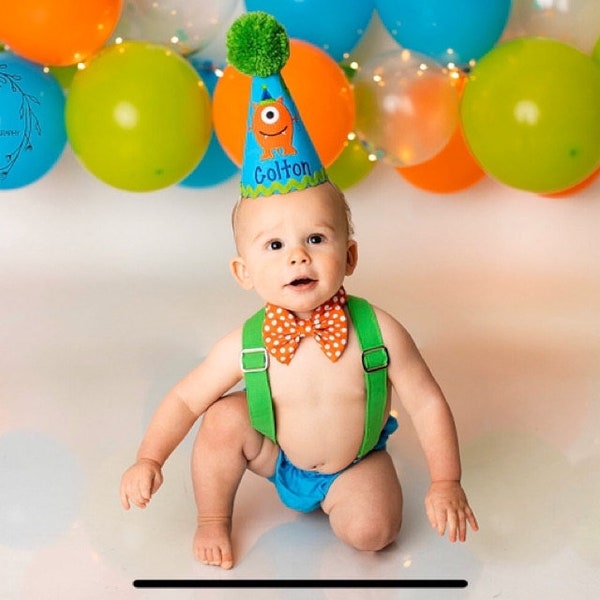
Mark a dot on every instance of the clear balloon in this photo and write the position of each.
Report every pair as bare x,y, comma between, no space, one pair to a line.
407,107
180,24
451,170
574,22
352,165
450,31
138,116
335,26
58,32
215,166
530,114
32,130
320,90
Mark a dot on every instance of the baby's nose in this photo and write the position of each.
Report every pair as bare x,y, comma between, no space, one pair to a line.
299,256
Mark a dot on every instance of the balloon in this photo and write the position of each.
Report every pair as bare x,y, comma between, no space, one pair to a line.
138,116
452,170
215,166
406,107
320,91
596,51
530,114
335,26
352,165
574,22
180,24
58,32
64,75
32,130
450,31
582,185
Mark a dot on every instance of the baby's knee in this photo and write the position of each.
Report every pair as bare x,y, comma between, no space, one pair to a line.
226,418
371,534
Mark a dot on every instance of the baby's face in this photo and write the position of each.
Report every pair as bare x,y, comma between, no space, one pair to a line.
294,249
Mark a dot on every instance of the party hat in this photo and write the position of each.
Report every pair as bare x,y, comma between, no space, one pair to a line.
279,156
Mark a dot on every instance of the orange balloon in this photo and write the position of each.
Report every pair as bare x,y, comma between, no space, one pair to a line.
58,32
577,187
320,91
451,170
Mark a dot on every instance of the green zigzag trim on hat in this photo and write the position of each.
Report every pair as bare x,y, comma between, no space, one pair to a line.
276,187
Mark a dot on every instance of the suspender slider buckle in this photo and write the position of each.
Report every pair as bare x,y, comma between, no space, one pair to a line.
375,359
254,360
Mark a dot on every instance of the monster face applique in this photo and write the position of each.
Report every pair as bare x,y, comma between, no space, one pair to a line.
273,126
279,156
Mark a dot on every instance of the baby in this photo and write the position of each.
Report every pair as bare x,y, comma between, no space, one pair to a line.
315,416
295,251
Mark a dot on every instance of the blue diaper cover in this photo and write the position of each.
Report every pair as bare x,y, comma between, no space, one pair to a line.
305,490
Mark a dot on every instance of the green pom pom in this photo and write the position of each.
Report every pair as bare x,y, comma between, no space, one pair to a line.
257,45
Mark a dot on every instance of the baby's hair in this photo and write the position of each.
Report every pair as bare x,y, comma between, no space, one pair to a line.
349,223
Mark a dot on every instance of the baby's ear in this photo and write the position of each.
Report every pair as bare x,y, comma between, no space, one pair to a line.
351,257
240,272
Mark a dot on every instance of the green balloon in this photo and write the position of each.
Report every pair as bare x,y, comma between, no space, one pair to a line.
531,114
64,75
352,165
138,116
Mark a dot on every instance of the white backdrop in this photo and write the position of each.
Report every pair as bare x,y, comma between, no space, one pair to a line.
107,297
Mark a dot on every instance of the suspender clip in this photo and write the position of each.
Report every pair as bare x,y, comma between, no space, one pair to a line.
375,359
254,360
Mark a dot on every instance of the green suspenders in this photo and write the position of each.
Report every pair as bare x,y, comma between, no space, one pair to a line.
254,362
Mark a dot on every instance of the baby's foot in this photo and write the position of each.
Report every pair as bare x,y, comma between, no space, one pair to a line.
212,542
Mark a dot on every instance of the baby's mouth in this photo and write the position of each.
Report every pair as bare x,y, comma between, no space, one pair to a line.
301,281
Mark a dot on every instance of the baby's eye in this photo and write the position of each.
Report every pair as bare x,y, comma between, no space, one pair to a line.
315,238
275,245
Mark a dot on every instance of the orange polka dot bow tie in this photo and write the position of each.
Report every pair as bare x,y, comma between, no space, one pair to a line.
283,331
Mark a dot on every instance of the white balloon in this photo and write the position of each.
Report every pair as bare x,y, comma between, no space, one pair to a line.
406,107
185,25
574,22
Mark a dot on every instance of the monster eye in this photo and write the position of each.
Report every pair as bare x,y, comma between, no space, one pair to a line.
269,115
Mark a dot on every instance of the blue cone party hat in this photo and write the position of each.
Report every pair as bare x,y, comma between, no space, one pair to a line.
279,156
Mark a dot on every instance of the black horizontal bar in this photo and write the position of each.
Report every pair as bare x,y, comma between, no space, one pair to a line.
300,583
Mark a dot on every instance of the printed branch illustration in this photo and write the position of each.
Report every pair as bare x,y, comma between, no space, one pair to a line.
26,114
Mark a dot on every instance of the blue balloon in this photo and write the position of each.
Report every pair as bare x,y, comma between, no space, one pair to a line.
450,31
335,26
32,127
215,166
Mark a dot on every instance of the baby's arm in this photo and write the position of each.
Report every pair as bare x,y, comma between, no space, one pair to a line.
175,416
446,503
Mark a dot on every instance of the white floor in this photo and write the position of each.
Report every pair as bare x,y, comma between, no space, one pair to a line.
106,298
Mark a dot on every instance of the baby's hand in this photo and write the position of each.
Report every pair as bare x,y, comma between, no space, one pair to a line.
139,482
447,506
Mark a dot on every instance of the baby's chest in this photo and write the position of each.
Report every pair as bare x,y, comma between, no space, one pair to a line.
312,377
